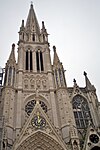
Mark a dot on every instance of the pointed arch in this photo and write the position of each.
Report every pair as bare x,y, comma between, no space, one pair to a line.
28,58
40,141
39,60
81,111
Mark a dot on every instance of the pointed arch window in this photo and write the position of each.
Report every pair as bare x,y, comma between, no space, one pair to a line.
56,75
10,76
81,111
26,60
13,76
5,79
33,37
39,61
61,77
29,62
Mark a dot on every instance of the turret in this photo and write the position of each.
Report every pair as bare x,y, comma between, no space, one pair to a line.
10,69
58,71
22,32
89,86
44,34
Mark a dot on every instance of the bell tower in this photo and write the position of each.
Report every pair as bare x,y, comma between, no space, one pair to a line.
40,111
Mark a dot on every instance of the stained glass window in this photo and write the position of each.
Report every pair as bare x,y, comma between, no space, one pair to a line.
31,104
81,111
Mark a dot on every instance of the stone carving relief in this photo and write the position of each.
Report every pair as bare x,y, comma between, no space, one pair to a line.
32,84
35,82
26,83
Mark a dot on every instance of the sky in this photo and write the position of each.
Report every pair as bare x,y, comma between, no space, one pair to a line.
73,27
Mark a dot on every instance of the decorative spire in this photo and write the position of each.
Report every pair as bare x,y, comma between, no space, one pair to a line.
89,86
11,59
32,23
74,80
56,58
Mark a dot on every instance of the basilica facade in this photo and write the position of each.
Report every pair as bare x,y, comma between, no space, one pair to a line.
38,111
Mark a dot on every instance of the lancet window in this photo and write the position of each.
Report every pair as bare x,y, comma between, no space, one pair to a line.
5,79
10,76
81,111
29,62
39,61
56,76
61,77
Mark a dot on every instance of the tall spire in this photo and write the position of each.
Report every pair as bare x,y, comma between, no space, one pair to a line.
32,23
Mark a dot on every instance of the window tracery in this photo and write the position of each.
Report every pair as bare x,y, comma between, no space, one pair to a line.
31,104
81,111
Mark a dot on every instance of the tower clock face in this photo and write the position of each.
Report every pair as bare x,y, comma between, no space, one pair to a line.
38,121
94,138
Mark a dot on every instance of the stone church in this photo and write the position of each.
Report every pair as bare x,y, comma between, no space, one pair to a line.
38,111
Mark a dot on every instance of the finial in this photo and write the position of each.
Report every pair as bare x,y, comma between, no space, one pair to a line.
74,80
54,48
85,74
43,24
31,4
13,46
22,23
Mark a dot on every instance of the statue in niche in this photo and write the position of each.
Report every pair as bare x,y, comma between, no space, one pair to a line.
38,83
32,82
44,83
26,84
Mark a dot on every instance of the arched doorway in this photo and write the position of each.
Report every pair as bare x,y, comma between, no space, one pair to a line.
40,141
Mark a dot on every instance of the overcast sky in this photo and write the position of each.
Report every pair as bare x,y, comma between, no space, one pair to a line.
74,28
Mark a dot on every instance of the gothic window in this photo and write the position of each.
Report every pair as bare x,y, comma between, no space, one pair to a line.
39,61
9,76
29,60
31,104
61,77
5,79
26,60
13,75
56,75
81,111
33,37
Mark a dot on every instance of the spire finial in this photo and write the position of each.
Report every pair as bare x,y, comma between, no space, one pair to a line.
54,48
85,74
13,46
43,26
31,4
74,80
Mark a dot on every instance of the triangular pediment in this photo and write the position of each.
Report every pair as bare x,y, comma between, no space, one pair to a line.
77,91
38,125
